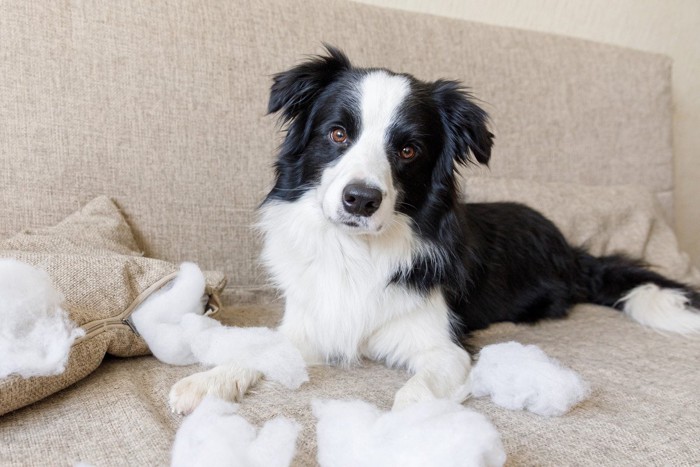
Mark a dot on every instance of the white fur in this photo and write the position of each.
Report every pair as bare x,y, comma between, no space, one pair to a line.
215,436
366,160
261,349
340,303
227,382
172,325
242,356
661,309
335,283
519,377
432,433
36,334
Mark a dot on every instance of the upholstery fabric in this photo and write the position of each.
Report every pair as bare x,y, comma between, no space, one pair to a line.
93,261
643,409
161,106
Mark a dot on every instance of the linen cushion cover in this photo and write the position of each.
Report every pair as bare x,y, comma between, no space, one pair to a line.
93,259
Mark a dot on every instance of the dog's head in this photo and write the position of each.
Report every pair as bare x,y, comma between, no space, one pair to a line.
372,143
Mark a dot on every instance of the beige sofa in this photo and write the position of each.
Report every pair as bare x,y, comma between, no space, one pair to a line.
161,106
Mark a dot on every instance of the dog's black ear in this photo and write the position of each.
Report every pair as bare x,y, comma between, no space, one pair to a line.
293,90
465,123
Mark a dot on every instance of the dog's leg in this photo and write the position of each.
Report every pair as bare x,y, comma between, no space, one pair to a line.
228,382
231,381
439,373
295,326
421,341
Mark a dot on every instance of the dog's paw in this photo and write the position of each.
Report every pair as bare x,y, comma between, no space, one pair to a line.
413,392
225,382
419,389
186,394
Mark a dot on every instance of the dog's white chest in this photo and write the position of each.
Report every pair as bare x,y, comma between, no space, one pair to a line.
337,286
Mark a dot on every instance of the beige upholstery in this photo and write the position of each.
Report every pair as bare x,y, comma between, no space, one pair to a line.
643,409
161,105
93,260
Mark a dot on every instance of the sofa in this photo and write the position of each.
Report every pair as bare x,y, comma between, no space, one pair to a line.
161,106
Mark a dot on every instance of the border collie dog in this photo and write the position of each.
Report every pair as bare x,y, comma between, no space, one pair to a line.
365,234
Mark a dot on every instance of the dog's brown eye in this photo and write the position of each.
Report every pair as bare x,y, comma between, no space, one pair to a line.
338,135
408,152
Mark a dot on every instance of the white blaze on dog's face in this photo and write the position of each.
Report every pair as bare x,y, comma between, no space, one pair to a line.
364,147
358,192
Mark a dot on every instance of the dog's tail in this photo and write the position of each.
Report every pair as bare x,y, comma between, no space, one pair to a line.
645,296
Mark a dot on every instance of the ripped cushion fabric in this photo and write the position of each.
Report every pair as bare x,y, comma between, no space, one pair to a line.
93,260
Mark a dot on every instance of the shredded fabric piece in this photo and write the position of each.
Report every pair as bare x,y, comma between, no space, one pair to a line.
172,325
430,433
36,334
519,377
214,435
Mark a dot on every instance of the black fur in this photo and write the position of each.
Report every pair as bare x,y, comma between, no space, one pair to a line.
492,261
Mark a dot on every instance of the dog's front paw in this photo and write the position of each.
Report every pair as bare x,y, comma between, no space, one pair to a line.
225,382
414,391
186,394
423,387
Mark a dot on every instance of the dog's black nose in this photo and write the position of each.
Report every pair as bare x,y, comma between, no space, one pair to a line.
361,200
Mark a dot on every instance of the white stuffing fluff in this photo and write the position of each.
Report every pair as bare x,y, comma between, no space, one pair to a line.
214,435
431,433
36,334
519,377
172,325
158,318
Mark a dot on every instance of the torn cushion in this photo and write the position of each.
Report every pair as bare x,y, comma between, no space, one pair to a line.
94,261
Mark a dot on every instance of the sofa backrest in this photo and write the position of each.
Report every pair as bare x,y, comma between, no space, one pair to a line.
161,106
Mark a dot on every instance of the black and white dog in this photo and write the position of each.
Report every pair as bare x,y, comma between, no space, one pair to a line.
365,235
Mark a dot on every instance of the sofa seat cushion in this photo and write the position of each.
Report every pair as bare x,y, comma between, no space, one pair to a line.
643,409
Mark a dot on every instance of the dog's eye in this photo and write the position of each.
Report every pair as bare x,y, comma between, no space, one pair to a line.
338,135
407,152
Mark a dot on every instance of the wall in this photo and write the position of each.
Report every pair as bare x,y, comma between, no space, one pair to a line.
670,27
